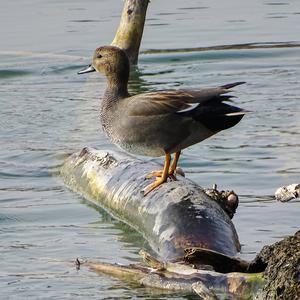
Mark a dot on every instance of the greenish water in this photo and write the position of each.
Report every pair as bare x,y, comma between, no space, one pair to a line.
48,111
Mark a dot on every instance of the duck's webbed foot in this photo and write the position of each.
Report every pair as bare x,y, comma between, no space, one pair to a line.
161,176
172,169
154,185
154,174
160,173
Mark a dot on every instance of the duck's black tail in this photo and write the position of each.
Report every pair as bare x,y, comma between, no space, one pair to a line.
231,85
210,109
217,115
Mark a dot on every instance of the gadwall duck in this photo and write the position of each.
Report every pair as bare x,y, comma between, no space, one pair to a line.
158,123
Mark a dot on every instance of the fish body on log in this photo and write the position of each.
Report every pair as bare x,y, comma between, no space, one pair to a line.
175,216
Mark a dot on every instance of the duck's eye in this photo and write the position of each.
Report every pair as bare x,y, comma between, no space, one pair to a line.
99,56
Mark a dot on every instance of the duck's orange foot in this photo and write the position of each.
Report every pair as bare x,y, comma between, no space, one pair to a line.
154,174
160,173
159,181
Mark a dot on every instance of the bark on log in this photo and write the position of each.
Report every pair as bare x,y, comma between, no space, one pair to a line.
130,31
176,216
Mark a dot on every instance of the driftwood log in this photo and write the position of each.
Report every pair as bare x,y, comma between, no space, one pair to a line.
192,235
175,216
130,31
176,219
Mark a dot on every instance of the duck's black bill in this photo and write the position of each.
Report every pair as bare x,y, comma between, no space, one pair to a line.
88,69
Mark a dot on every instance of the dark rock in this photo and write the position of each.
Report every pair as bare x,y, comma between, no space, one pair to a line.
282,273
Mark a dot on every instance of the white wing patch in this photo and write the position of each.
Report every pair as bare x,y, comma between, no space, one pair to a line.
190,107
238,113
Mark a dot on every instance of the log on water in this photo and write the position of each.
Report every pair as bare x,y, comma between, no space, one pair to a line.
175,216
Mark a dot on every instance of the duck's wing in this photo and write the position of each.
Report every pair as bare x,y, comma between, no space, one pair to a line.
172,101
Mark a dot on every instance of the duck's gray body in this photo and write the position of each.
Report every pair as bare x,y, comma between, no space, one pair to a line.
145,136
133,124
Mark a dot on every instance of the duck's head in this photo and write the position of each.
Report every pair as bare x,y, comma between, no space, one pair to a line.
110,61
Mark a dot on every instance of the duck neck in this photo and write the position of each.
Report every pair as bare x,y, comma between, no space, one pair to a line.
116,86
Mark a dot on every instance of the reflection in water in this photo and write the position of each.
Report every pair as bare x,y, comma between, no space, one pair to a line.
137,84
126,235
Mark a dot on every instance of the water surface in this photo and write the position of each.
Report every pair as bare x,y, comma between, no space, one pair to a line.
47,112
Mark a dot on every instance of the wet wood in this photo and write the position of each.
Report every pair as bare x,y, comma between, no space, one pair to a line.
175,216
130,31
183,278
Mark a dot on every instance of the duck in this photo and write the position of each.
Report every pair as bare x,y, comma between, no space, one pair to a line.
159,123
